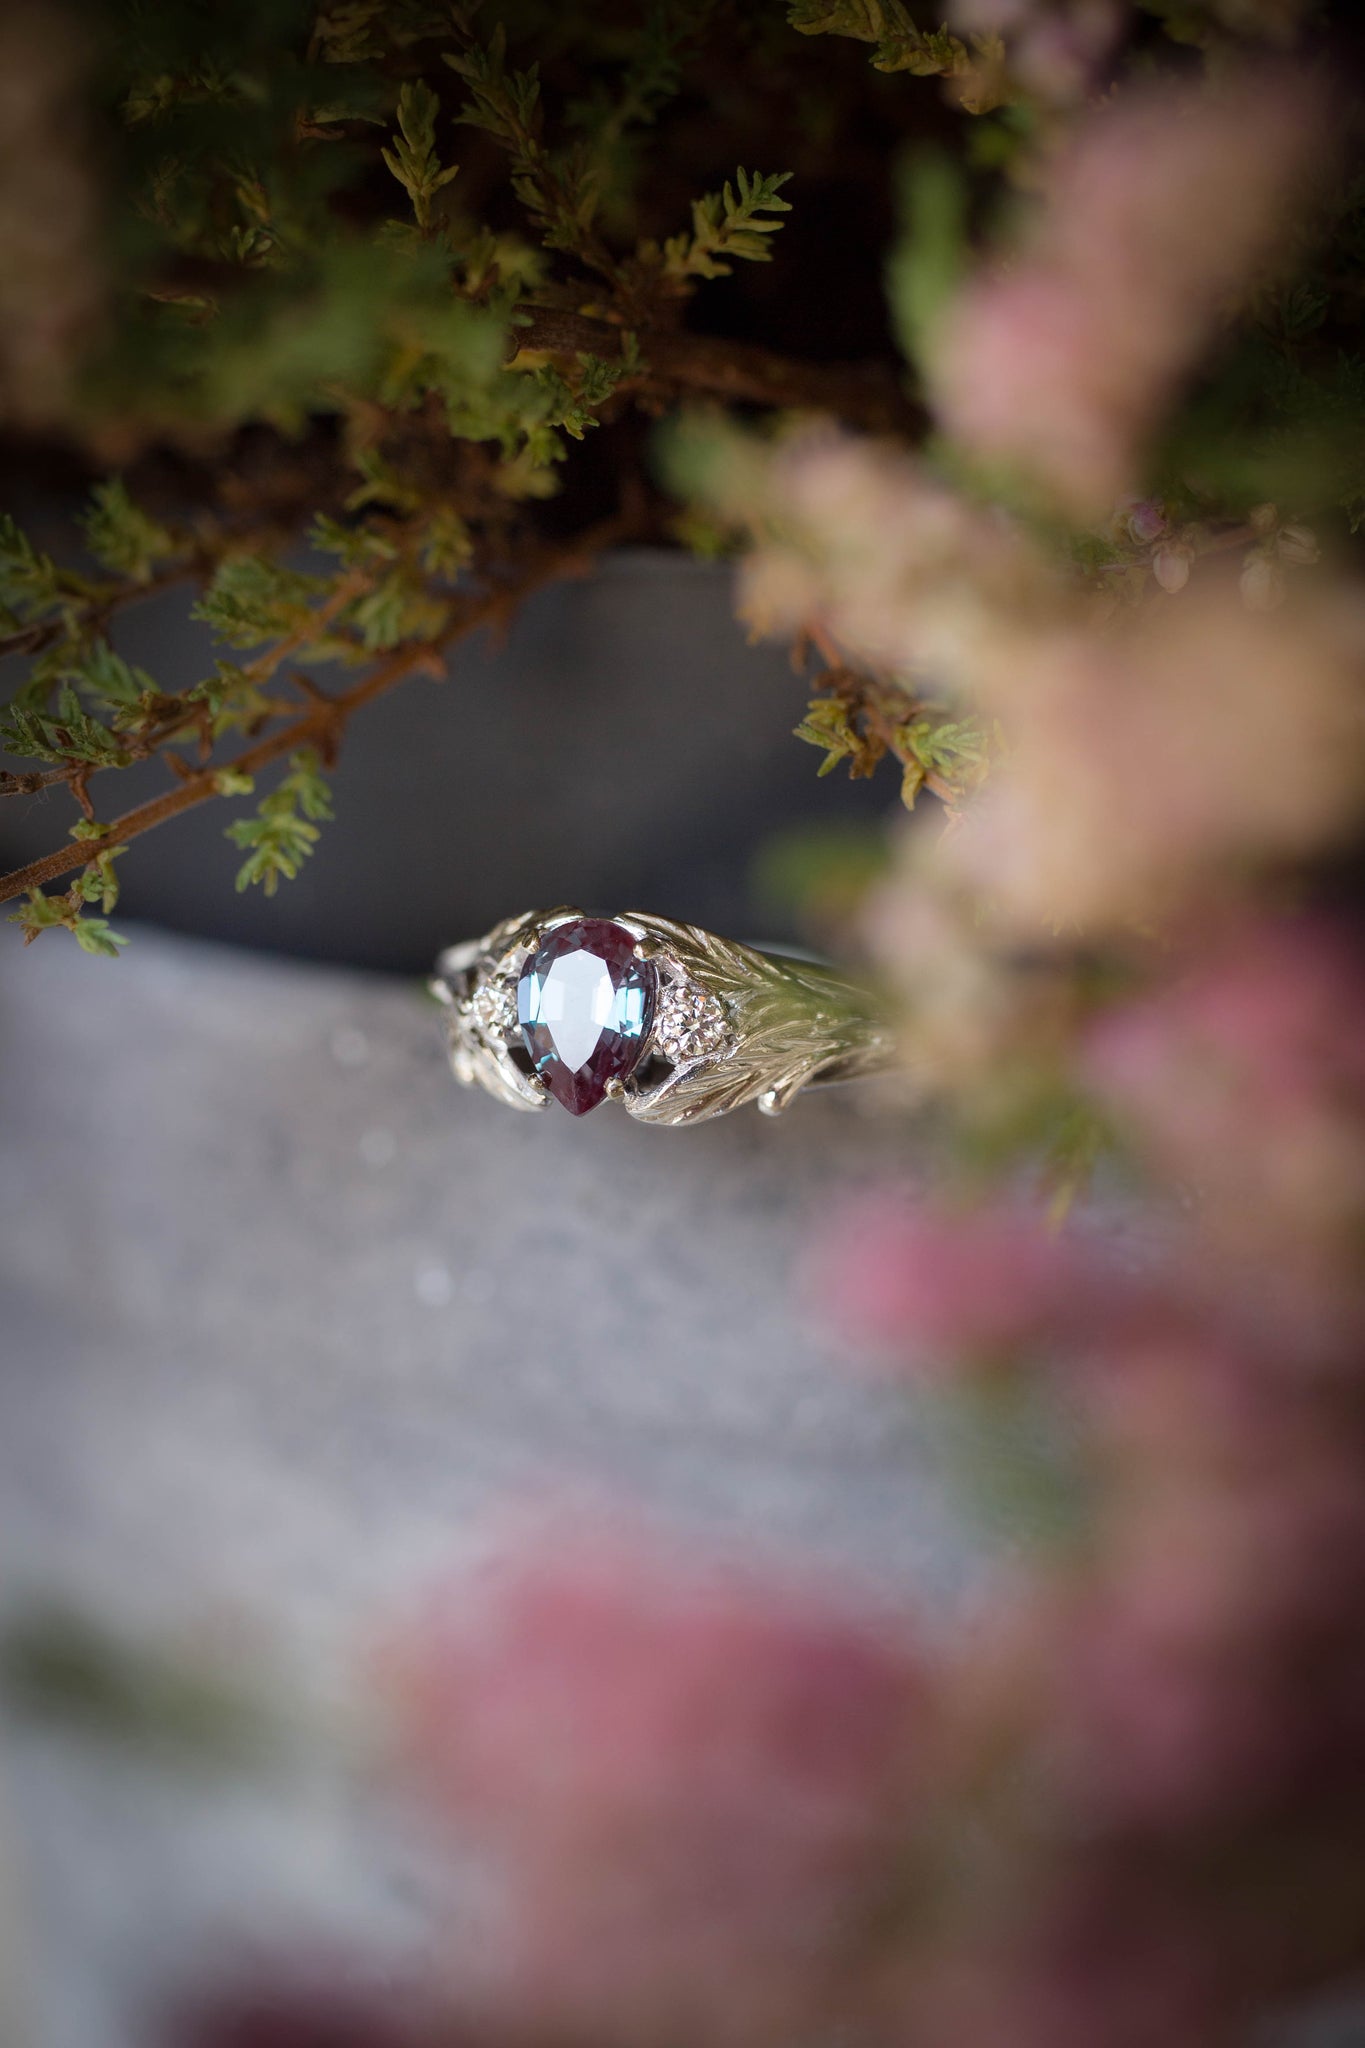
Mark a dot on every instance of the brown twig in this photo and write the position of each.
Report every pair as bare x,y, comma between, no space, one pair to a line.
867,395
883,706
142,745
100,606
323,720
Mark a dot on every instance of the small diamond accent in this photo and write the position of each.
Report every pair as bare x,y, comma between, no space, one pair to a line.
493,1008
689,1022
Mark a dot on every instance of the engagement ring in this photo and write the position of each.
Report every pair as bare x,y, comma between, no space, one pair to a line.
671,1021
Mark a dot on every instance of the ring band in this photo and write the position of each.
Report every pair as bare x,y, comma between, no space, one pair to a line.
671,1021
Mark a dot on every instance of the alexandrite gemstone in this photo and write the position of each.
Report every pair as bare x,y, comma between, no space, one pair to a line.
585,1003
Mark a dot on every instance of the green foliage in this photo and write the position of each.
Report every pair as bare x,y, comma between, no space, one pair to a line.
59,1667
929,254
43,912
1280,419
97,936
281,360
413,158
829,723
447,543
121,536
232,699
399,607
504,102
112,681
952,752
573,400
819,874
30,586
560,189
68,735
860,721
99,883
728,226
899,45
354,32
652,76
251,600
284,830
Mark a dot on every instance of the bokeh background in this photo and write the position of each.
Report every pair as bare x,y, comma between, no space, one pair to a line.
888,1575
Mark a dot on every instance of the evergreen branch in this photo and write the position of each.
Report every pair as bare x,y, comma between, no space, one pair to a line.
93,611
727,226
413,159
83,746
559,189
899,44
863,719
284,830
866,395
322,724
124,538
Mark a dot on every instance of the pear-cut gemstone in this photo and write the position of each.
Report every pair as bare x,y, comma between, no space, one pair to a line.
585,1003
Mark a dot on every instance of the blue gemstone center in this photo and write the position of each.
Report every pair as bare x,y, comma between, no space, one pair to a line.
585,1002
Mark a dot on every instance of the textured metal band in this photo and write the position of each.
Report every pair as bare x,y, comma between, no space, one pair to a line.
731,1024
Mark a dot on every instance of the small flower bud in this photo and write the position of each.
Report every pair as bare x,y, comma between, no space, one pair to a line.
1171,566
1146,520
1261,584
1297,544
1263,519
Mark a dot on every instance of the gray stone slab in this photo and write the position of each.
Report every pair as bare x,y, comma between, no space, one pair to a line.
287,1318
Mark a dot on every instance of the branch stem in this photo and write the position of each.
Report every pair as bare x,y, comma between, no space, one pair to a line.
866,395
323,721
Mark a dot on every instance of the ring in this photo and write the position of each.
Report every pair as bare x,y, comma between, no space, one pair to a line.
671,1021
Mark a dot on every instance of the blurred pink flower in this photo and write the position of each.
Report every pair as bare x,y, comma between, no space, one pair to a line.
1220,1670
1162,758
1213,1667
1131,764
943,1286
1054,48
905,573
695,1785
1165,205
1246,1078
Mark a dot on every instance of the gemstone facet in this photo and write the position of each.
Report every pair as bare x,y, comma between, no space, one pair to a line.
585,1002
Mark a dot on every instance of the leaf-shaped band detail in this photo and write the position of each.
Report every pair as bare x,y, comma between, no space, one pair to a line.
792,1022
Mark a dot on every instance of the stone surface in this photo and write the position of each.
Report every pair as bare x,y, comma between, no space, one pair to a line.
585,1003
291,1325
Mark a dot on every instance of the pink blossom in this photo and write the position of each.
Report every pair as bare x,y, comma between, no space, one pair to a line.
695,1785
1055,48
978,1283
1162,757
902,571
1214,1666
1246,1077
1163,206
1171,566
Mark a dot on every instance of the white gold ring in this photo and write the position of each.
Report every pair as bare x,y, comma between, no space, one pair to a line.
676,1024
